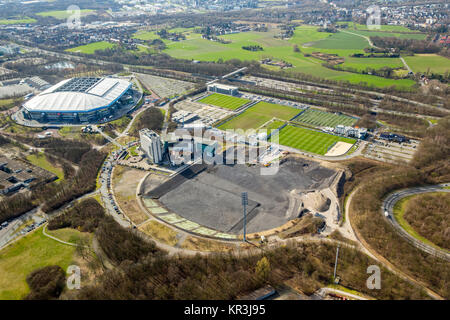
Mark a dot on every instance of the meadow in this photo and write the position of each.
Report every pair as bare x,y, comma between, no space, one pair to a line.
324,119
428,62
224,101
307,38
31,252
362,64
92,47
258,115
307,139
17,20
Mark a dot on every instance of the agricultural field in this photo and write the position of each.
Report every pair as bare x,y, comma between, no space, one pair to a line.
224,101
308,140
384,31
92,47
361,64
62,14
26,255
341,40
259,114
324,119
308,40
425,63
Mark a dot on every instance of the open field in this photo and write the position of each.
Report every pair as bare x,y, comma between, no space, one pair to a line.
384,31
92,47
257,115
309,140
324,119
27,254
341,40
306,37
17,20
224,101
361,64
40,160
425,63
62,14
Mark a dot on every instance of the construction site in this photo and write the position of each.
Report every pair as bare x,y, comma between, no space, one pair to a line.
210,195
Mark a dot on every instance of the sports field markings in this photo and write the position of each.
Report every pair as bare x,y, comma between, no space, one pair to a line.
324,119
259,114
224,101
309,140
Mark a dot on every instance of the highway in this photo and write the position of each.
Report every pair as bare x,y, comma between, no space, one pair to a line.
388,205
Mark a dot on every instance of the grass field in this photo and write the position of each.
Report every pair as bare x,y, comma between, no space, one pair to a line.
306,37
40,160
257,115
224,101
273,125
62,14
92,47
428,63
361,64
324,119
308,140
29,253
341,40
14,20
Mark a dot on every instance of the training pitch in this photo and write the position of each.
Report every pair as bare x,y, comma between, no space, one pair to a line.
324,119
259,114
308,140
224,101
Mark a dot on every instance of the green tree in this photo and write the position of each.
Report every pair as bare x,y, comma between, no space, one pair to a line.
263,269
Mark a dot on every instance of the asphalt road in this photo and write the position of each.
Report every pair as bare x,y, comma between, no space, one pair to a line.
388,205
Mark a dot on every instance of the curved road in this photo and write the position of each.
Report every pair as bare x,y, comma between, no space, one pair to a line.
374,254
388,205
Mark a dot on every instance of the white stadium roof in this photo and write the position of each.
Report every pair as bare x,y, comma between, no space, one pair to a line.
78,95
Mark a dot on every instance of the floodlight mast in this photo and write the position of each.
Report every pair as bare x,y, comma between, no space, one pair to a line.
244,197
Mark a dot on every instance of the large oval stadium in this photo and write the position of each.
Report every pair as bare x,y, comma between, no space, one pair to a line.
79,100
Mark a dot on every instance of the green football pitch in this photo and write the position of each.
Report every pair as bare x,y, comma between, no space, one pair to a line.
259,114
324,119
224,101
307,139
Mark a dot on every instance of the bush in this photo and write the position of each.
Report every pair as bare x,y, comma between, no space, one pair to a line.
46,283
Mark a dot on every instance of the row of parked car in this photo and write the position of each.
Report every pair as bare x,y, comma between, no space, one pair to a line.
4,225
31,227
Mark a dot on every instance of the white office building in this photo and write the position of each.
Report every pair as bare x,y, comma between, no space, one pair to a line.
151,145
223,89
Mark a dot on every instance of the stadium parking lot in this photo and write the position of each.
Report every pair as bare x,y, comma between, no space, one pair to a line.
392,152
164,87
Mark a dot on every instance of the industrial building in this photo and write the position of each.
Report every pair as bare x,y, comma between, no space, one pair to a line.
223,89
15,175
79,100
151,145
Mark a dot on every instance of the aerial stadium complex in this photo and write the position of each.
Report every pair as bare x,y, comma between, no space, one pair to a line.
80,100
